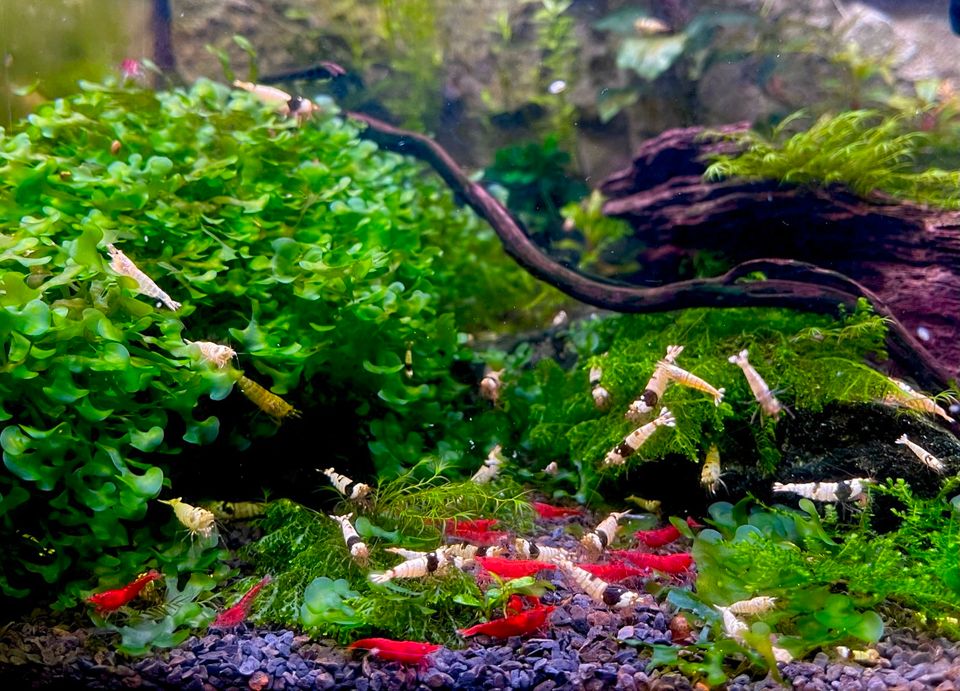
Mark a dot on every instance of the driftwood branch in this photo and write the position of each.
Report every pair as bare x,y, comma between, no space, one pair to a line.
787,283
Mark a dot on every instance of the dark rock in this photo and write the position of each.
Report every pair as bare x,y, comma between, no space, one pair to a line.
439,680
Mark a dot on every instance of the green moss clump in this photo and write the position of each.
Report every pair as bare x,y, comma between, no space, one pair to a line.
301,545
862,149
809,360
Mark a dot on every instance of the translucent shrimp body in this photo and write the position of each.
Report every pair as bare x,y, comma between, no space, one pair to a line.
285,104
907,397
124,266
637,437
214,353
711,473
195,519
490,468
768,402
358,550
685,378
927,458
755,605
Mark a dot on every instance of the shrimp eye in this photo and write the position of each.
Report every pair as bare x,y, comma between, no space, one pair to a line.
294,103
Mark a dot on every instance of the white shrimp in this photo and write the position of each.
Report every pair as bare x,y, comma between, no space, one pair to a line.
285,104
601,397
531,550
355,491
845,490
755,605
637,437
768,402
214,353
418,567
551,468
927,458
655,387
610,594
358,550
490,468
732,627
604,534
124,266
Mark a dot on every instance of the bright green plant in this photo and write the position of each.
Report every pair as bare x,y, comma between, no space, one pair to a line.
320,259
864,150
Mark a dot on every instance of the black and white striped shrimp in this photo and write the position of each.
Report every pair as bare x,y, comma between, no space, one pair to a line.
655,387
610,594
214,353
604,534
769,404
637,437
267,401
418,567
906,397
927,458
685,378
531,550
845,490
755,605
286,105
355,491
124,266
490,468
467,553
358,549
601,397
405,553
490,385
710,476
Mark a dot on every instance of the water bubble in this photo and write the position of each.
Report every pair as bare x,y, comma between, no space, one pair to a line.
557,87
923,333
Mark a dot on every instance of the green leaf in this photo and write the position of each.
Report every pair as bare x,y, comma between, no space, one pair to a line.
203,432
146,441
650,57
365,528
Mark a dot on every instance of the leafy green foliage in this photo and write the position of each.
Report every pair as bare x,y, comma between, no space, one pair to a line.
862,149
315,255
600,235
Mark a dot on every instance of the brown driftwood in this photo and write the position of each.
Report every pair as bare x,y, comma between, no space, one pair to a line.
906,254
788,283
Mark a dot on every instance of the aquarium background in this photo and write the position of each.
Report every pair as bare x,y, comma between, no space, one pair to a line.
451,294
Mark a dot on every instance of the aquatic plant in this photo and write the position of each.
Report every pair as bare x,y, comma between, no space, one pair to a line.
866,150
315,255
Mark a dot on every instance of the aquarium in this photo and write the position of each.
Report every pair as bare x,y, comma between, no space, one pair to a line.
505,344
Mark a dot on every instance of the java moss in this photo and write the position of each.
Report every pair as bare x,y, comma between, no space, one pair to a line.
809,360
301,545
866,150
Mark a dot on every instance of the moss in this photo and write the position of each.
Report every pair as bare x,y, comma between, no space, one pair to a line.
862,149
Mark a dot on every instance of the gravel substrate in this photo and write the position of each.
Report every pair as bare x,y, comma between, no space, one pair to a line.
582,648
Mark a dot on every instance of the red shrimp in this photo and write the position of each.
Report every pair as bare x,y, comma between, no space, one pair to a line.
513,568
549,511
407,652
662,536
514,625
668,563
486,538
112,600
234,616
479,525
613,572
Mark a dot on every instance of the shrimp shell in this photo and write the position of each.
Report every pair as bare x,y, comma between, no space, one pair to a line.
927,458
195,519
909,398
418,567
531,550
604,534
732,627
358,550
347,487
685,378
268,402
827,491
124,266
755,605
610,594
490,468
768,402
214,353
637,437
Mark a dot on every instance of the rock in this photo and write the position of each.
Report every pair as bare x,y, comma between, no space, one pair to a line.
259,681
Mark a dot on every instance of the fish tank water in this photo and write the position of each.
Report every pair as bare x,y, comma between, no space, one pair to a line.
503,344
